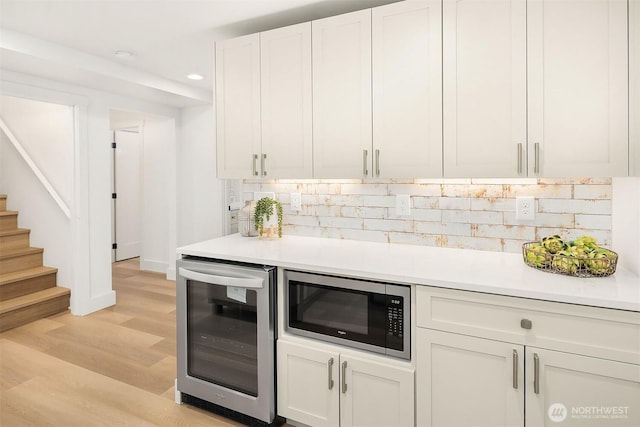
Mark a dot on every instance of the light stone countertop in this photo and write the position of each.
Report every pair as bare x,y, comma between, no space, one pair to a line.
482,271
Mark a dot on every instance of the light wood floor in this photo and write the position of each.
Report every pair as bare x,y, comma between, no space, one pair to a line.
115,367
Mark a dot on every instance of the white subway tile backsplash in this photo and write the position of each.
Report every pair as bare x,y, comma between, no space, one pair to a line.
474,213
388,225
454,203
368,189
519,232
450,228
574,206
340,222
597,222
589,191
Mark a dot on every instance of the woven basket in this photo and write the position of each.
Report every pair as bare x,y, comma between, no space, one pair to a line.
571,266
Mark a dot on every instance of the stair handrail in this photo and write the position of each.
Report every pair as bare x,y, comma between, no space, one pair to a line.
35,169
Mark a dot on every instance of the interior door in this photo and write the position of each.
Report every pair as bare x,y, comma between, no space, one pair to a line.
126,186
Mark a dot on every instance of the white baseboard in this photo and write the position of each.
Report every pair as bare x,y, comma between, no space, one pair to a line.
171,273
151,265
94,304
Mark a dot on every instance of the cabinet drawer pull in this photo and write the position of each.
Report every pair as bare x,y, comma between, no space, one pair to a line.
377,163
515,369
255,161
536,373
343,377
519,158
526,324
330,373
365,171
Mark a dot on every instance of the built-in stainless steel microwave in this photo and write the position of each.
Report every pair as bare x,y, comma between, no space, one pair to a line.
367,315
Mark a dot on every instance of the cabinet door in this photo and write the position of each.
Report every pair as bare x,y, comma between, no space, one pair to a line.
578,87
466,381
484,84
342,95
238,106
308,386
285,55
580,391
375,394
407,90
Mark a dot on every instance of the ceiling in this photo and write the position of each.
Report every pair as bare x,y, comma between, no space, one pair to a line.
74,41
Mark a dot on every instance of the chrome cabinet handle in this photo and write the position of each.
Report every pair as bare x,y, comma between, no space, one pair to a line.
515,369
255,160
263,165
344,375
365,154
536,373
330,373
377,163
519,158
536,164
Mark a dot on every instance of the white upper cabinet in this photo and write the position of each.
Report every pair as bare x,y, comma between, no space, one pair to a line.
407,90
577,87
285,58
484,79
342,95
238,106
535,88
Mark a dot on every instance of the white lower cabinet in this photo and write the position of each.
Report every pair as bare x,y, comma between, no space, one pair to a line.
488,360
320,387
468,381
575,391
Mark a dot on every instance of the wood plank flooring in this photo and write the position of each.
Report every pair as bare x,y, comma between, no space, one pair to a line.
115,367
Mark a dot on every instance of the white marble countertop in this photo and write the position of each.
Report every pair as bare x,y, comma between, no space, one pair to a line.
481,271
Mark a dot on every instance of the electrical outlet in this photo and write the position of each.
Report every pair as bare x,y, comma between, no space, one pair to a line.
296,202
403,205
525,208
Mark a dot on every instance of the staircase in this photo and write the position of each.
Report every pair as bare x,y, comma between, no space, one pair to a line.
28,289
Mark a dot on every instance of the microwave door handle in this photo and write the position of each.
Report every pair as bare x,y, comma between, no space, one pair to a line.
238,282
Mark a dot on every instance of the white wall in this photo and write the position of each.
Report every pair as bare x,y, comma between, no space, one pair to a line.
50,228
45,133
626,222
199,193
158,194
90,235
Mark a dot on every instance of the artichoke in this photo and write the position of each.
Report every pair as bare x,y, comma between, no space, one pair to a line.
587,242
537,255
566,262
580,252
553,244
600,261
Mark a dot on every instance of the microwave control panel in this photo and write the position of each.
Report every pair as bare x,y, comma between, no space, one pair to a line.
395,322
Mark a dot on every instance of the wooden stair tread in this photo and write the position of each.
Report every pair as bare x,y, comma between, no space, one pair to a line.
14,232
8,213
33,298
28,273
9,253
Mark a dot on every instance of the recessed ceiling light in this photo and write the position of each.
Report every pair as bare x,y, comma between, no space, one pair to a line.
194,76
123,54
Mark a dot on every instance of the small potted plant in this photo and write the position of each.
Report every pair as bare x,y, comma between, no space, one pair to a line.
268,217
